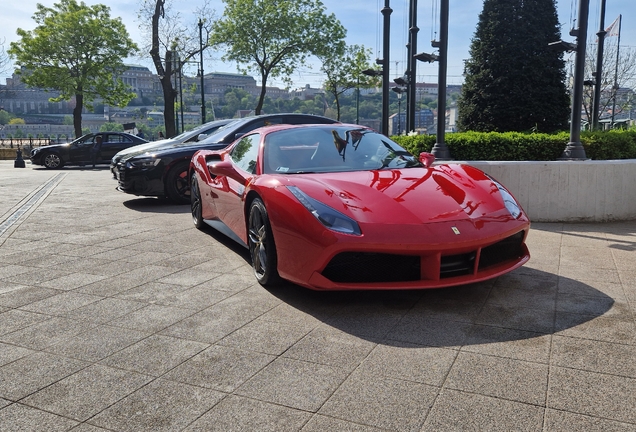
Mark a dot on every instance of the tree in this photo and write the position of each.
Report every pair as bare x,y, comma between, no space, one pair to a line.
621,69
274,37
171,46
77,50
5,117
513,80
111,127
343,68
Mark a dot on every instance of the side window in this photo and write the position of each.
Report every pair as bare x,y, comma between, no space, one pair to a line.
260,123
88,141
114,138
245,153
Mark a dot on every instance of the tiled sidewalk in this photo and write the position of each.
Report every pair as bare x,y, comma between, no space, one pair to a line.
117,314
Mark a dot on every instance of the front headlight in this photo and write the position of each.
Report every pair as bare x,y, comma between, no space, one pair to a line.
509,201
331,218
143,163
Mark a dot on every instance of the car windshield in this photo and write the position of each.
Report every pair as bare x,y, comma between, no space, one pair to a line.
332,149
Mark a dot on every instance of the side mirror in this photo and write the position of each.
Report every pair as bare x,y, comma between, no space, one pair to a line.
427,159
202,136
221,168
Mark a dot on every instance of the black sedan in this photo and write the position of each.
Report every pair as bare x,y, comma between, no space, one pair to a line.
79,152
163,172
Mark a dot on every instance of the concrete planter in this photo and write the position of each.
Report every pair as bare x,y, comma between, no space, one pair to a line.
569,191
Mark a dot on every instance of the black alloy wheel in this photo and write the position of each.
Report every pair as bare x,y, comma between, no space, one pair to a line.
261,245
52,161
177,187
195,203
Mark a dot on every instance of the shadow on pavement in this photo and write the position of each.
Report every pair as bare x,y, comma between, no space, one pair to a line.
155,205
524,304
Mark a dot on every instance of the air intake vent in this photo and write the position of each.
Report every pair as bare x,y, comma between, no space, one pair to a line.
363,267
507,249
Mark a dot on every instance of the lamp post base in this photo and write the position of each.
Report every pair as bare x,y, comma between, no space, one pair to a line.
573,151
441,152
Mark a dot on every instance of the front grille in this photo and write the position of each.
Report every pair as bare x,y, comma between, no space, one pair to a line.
507,249
457,265
368,267
364,267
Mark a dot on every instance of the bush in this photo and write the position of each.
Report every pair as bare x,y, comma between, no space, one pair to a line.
516,146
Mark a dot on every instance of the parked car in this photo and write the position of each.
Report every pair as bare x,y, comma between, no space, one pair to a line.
341,207
192,136
163,172
78,152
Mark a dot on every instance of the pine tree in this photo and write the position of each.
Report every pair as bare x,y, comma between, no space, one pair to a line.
513,80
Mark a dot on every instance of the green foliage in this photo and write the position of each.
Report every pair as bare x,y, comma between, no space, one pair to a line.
516,146
5,117
76,50
16,120
343,69
274,37
614,144
111,127
513,80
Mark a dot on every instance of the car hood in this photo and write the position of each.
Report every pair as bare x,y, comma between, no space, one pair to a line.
140,149
53,147
444,193
169,148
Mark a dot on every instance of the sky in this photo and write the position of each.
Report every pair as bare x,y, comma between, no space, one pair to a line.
364,23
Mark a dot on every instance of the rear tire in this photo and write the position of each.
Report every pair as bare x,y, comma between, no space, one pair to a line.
262,246
195,203
177,188
52,161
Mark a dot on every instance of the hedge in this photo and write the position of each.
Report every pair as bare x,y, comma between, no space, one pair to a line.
516,146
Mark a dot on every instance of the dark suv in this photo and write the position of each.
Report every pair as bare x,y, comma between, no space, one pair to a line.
78,152
164,171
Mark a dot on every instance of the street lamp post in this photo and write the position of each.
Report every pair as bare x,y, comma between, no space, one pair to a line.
599,68
386,12
574,149
412,66
358,100
201,71
440,149
399,91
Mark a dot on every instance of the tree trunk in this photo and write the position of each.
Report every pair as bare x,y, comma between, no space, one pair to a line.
261,98
169,96
77,114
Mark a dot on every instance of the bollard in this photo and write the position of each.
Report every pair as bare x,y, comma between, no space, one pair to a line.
19,162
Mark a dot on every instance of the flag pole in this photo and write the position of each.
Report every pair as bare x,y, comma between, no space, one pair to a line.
618,48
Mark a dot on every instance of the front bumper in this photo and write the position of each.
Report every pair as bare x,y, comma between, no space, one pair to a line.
137,183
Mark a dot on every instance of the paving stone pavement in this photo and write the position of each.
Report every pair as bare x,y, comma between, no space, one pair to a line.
116,314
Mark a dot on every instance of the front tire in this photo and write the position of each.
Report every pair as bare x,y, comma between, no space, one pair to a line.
262,246
177,188
52,161
195,202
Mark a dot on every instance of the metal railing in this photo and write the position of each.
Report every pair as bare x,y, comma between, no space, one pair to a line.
29,143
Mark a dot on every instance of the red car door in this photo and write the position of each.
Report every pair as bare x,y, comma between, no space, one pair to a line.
230,193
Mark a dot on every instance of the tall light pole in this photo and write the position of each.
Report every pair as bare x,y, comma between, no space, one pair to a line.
440,149
412,66
201,71
574,149
399,91
386,12
599,67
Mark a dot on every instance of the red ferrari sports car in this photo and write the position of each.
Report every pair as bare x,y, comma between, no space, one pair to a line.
341,207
